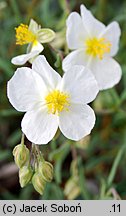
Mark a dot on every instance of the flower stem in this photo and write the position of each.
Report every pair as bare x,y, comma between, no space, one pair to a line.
38,154
74,152
22,139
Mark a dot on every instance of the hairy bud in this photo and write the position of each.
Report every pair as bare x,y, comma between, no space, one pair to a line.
72,189
21,155
38,183
25,175
46,170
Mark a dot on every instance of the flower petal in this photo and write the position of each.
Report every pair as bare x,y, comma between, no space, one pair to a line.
76,33
39,126
77,57
25,89
22,59
49,75
77,122
33,26
112,34
45,35
36,46
107,72
80,84
91,24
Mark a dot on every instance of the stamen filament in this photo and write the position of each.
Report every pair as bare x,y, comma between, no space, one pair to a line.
97,47
24,35
57,101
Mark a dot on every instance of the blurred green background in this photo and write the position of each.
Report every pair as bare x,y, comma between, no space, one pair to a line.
93,168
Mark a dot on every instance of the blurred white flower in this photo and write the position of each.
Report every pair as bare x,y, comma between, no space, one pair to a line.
51,101
33,35
94,45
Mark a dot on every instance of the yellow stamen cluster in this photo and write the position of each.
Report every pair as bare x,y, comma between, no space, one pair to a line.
57,102
97,47
24,35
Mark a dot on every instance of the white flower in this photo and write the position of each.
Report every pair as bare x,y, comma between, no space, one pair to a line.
51,101
33,35
94,45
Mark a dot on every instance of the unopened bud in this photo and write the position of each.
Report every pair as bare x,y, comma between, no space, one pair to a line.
72,189
21,155
25,175
38,183
46,170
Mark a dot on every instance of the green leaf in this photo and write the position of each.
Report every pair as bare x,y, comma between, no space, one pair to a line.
5,154
82,180
5,65
59,154
26,193
52,192
14,138
9,112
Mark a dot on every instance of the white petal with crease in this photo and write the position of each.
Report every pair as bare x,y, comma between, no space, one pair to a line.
26,89
77,122
80,84
93,26
22,59
107,72
76,34
39,126
112,34
77,57
49,75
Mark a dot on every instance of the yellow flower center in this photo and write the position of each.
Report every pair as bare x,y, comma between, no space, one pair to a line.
24,35
97,47
57,102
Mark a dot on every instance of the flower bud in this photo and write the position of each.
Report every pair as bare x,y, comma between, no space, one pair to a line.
72,189
25,175
21,155
46,170
38,183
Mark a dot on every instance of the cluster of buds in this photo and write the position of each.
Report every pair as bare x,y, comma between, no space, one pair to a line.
43,174
22,159
38,173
